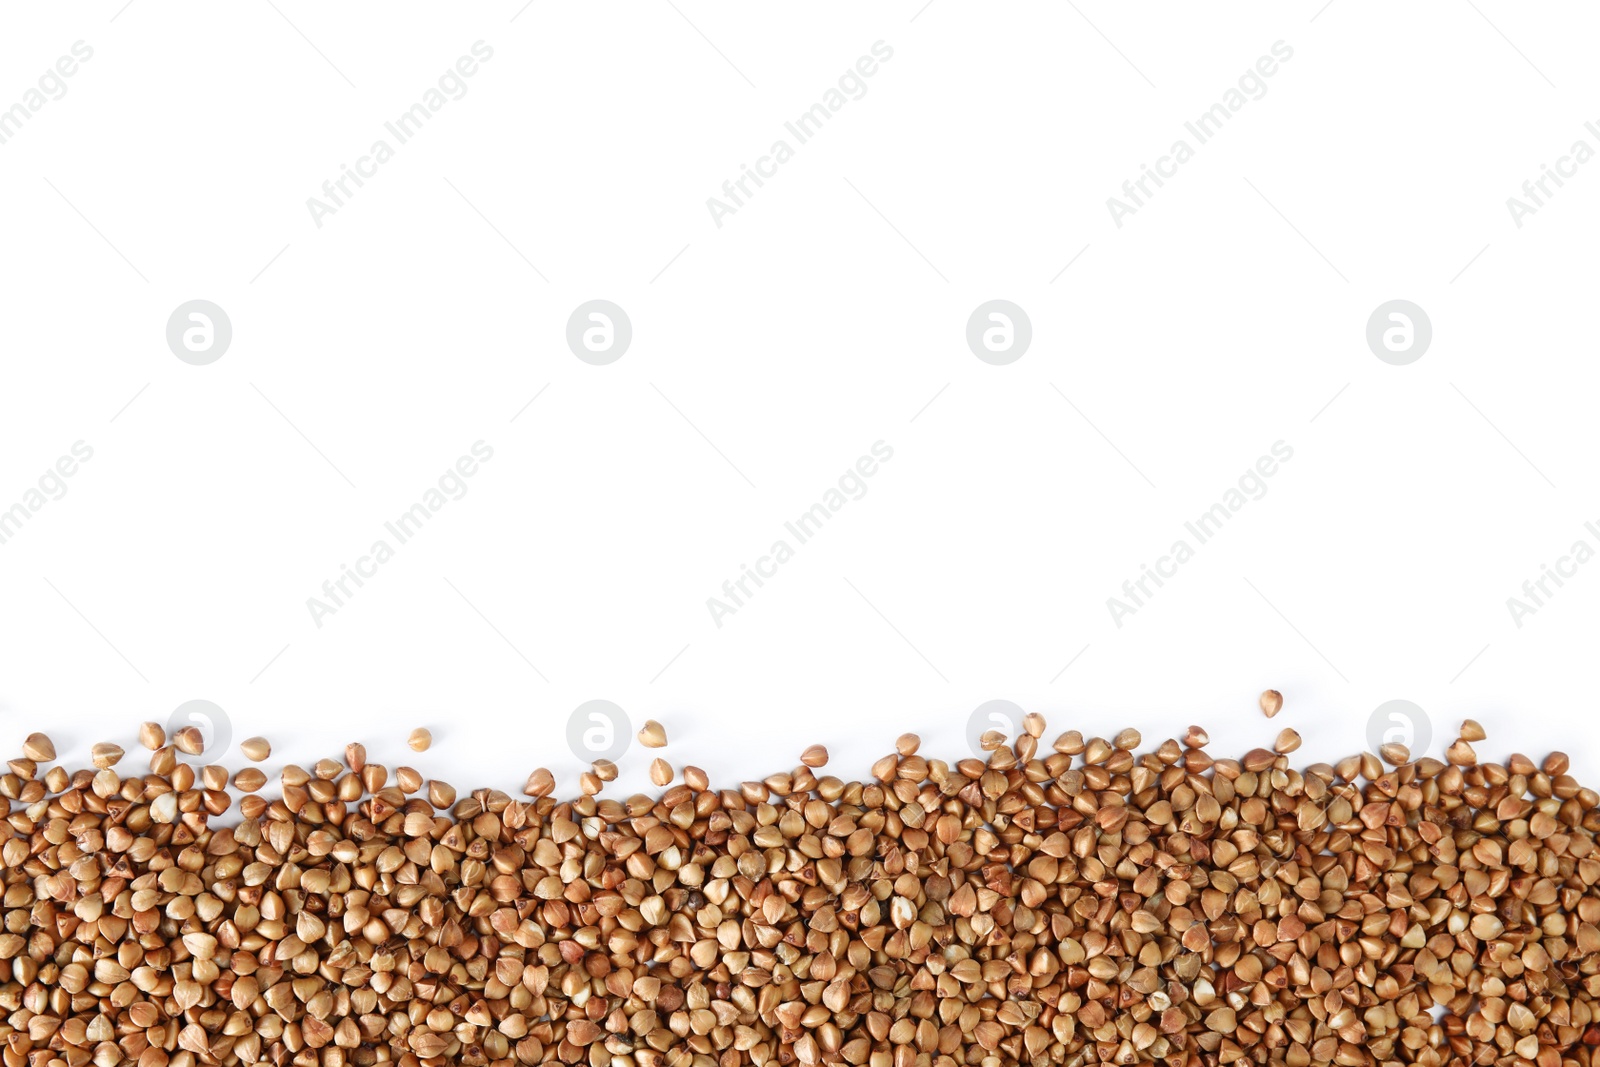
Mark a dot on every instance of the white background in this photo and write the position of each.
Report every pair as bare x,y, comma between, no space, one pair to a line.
768,354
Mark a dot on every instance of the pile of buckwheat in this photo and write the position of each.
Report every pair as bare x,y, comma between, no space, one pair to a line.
1083,904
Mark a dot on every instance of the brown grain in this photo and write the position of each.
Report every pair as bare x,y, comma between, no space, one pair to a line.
1394,753
249,779
189,740
39,748
541,783
1098,906
660,772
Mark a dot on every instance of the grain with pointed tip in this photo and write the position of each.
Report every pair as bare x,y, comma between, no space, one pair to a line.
1069,743
1129,908
249,779
39,748
660,772
189,740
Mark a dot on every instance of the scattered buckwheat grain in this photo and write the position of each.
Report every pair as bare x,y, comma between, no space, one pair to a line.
660,771
249,779
39,748
189,740
541,783
1089,907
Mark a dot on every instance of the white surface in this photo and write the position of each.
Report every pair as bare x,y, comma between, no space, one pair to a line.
826,314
